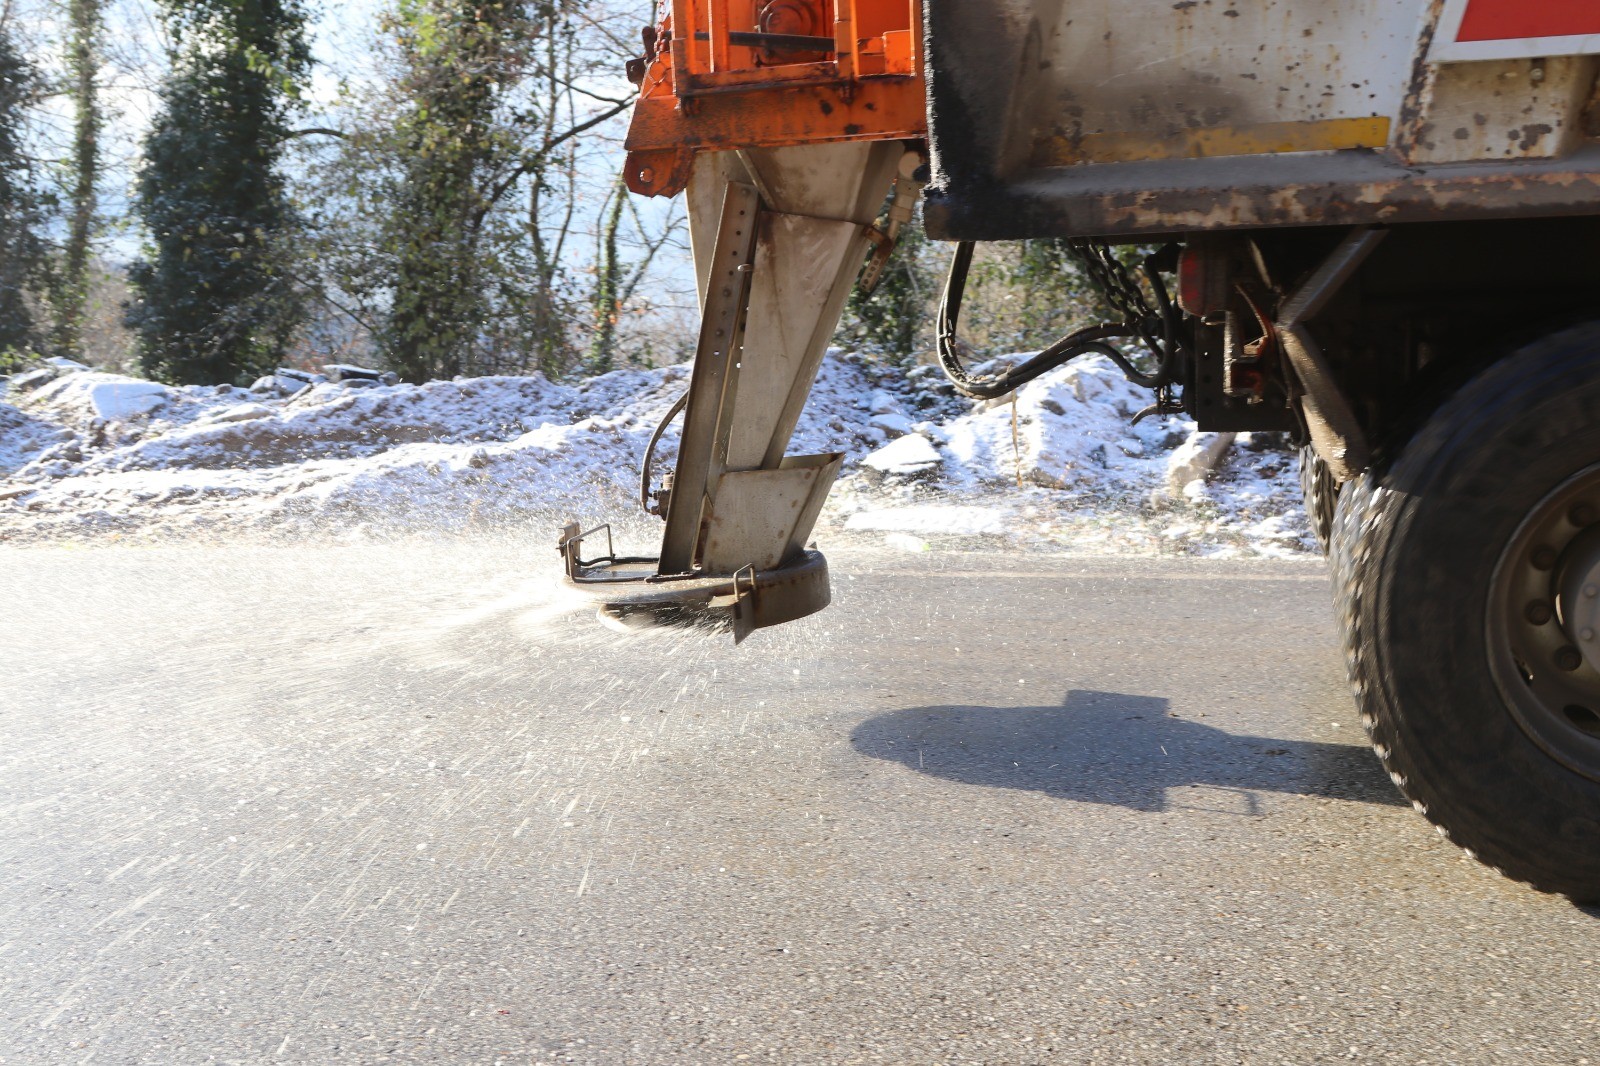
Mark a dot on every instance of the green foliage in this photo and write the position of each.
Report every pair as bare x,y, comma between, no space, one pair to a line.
214,302
70,291
1046,266
1029,294
21,250
459,54
447,210
608,300
416,233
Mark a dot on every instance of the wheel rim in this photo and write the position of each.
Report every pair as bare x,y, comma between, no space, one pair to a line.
1544,623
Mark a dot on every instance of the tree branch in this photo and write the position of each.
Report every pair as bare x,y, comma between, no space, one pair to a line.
533,161
316,131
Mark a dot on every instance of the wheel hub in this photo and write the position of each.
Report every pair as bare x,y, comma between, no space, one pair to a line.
1579,598
1544,623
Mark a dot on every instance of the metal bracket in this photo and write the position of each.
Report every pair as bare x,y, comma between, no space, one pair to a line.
1336,432
883,247
745,604
581,571
571,548
715,375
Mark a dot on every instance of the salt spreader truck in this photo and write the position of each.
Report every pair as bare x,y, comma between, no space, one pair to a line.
1377,228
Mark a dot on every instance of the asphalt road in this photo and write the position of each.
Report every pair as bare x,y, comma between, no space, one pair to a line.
402,804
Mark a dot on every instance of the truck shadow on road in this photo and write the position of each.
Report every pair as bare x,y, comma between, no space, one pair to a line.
1113,748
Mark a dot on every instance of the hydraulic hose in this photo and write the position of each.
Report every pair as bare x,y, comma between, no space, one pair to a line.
647,469
1091,340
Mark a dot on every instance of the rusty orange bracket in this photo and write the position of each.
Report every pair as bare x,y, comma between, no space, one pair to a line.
700,92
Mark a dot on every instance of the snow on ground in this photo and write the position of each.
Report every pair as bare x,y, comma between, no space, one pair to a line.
89,455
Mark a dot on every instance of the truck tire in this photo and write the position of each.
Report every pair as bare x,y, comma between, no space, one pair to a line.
1467,578
1320,491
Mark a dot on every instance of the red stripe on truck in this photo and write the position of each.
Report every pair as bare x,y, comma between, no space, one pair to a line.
1502,20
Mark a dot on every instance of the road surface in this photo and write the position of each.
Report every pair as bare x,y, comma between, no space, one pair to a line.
403,803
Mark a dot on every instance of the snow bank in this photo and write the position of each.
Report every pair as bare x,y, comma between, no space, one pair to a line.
24,438
119,400
1058,465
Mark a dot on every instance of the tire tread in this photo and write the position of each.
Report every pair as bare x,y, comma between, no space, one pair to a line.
1370,518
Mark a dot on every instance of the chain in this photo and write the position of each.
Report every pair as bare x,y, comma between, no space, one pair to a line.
1125,298
1107,274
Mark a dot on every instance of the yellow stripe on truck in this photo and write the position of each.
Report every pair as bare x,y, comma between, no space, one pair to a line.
1264,139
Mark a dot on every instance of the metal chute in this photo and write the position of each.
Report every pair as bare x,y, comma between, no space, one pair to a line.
779,237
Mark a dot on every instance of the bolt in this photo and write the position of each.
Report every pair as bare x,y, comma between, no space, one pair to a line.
1544,558
1568,659
1587,635
1538,612
1581,515
1591,591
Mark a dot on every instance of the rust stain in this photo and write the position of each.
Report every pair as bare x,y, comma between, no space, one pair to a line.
1174,205
1414,104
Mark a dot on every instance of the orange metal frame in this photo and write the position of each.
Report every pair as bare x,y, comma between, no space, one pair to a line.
704,92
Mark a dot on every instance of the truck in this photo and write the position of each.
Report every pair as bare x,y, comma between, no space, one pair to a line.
1371,224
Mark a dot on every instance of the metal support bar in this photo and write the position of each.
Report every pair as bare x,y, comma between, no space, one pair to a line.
745,593
715,375
1336,433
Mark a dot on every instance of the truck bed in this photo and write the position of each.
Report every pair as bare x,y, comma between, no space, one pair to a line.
1140,117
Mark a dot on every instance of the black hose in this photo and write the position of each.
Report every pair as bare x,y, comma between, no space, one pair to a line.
647,472
1090,340
1169,324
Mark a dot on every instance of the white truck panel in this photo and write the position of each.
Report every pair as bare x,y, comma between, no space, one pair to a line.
1108,117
